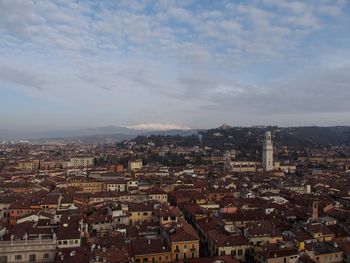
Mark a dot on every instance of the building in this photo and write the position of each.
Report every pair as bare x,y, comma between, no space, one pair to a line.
53,164
267,155
221,243
301,188
81,162
325,253
69,231
28,250
274,254
184,242
86,185
142,212
115,185
19,209
157,194
262,233
319,232
135,165
28,165
149,250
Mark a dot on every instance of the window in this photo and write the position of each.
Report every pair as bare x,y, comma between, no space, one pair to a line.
18,257
46,256
240,252
145,259
137,260
192,255
3,259
185,246
32,258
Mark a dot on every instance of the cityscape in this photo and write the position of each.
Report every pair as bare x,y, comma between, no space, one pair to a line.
196,131
206,197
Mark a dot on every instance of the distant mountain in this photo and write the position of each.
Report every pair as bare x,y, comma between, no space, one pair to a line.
171,132
87,132
296,137
237,137
25,135
224,127
114,132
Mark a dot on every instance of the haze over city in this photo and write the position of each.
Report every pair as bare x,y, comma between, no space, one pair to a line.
198,64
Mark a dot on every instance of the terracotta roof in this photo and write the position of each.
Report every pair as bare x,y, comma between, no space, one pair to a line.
273,252
148,246
183,232
306,259
139,207
222,239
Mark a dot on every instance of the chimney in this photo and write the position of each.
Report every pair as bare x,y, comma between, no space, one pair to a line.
314,211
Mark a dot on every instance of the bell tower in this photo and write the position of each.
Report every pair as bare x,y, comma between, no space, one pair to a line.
314,211
267,153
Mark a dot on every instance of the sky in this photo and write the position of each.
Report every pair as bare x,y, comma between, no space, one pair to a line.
69,64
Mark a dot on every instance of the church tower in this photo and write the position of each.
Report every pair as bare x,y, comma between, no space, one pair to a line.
314,211
267,156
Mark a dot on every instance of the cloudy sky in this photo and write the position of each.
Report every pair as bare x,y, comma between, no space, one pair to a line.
68,64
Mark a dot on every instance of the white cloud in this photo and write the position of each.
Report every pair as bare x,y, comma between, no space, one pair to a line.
157,127
21,78
292,6
132,58
308,20
330,10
